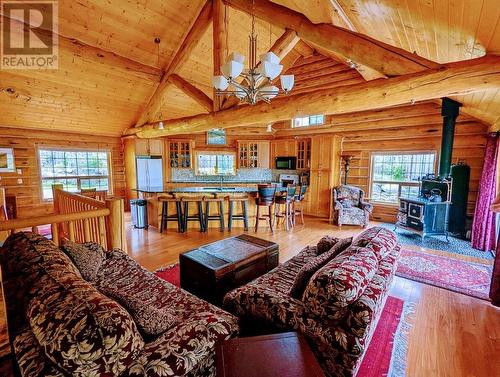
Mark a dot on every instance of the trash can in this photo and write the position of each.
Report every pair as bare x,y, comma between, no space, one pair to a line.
139,212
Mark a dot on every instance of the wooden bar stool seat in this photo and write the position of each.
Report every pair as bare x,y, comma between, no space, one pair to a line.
265,198
165,217
298,204
219,217
287,200
234,216
185,200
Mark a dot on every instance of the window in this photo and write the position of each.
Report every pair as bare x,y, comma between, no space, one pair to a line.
215,163
396,174
311,120
74,169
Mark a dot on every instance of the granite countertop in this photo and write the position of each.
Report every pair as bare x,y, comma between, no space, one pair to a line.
215,182
197,190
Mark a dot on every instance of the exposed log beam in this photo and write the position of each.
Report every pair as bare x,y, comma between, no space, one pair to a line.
452,79
219,43
98,55
361,49
188,44
282,48
192,91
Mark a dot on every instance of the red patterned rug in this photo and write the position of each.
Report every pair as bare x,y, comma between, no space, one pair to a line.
472,279
386,354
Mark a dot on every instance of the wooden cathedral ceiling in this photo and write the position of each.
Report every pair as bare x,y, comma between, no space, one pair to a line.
109,66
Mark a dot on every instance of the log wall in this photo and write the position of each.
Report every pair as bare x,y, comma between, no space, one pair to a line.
25,144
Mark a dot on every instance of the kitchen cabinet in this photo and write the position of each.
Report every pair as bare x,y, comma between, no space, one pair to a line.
324,174
253,154
283,148
180,153
149,147
303,153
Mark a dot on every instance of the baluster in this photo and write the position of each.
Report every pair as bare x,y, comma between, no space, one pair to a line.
34,229
86,230
55,233
102,232
71,231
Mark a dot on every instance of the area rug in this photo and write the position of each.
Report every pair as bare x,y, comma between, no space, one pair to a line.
386,353
472,279
455,245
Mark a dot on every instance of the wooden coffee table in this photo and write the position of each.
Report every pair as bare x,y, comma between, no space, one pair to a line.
276,355
212,270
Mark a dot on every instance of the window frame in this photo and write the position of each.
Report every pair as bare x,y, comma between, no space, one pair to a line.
108,151
218,152
309,125
399,183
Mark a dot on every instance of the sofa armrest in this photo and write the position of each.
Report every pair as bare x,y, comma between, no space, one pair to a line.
365,206
338,206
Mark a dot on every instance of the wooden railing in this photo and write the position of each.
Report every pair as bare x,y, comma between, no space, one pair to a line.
79,219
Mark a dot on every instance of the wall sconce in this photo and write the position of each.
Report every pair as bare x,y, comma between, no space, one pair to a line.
347,160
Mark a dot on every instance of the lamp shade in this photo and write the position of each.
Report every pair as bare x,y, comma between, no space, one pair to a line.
220,82
240,94
237,57
287,82
270,91
270,57
232,69
270,70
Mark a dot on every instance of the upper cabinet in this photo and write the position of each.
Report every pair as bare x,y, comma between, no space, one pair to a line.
149,147
180,154
284,148
323,149
253,154
303,153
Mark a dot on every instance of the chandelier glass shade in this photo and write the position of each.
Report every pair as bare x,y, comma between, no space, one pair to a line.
255,83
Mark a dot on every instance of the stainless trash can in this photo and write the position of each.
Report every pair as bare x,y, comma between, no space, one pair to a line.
139,212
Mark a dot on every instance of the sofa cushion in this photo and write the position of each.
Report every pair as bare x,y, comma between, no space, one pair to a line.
380,240
325,244
341,281
308,270
81,330
87,257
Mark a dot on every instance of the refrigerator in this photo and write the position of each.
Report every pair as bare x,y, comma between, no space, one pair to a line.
149,172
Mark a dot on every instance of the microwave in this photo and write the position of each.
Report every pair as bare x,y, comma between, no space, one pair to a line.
288,163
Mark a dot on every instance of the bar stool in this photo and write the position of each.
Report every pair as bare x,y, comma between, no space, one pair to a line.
165,217
286,200
219,217
299,200
199,215
265,199
244,211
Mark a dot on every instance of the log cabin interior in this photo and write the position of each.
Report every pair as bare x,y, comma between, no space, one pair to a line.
249,187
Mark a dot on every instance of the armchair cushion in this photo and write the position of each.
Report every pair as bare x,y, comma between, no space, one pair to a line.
313,265
87,257
346,203
341,282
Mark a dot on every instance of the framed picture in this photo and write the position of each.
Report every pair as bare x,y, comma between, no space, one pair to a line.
7,160
216,136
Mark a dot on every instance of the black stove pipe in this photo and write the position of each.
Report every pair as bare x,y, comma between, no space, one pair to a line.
449,111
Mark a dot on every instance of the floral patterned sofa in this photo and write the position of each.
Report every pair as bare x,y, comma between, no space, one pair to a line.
63,325
339,307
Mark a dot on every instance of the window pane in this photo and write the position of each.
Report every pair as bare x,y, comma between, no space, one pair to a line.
69,165
310,120
384,192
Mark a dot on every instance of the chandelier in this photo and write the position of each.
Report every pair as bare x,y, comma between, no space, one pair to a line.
257,81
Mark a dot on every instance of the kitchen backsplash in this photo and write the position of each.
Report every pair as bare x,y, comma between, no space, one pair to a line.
242,175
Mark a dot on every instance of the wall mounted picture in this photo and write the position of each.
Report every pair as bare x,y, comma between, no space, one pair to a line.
7,160
216,136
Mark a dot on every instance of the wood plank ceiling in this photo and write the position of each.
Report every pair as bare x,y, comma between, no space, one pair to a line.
106,79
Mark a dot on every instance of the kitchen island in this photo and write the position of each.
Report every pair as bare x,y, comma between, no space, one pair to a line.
151,194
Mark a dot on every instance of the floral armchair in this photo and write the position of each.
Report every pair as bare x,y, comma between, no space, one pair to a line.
350,207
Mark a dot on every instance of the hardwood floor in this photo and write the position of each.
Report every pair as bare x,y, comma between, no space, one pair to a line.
453,335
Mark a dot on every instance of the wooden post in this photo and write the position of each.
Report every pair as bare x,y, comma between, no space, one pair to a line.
3,213
57,210
116,224
219,43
